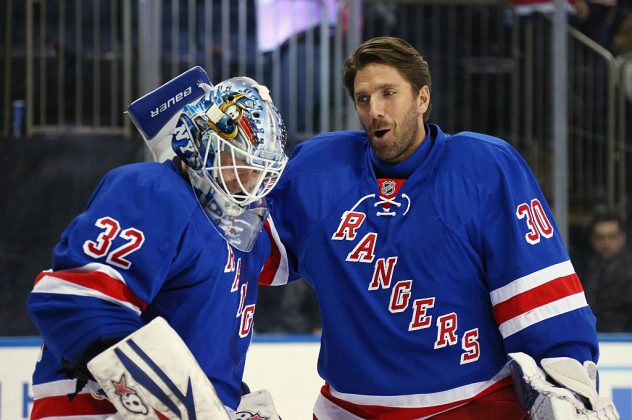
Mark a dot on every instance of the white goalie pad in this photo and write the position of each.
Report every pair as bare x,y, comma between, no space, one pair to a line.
257,405
563,389
155,115
151,374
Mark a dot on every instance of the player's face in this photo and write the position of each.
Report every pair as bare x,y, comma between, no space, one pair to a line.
390,112
235,178
607,239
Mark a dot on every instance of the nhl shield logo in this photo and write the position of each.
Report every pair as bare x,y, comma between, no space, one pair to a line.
388,188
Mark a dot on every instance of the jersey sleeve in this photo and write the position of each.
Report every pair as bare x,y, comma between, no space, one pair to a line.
538,300
303,196
277,267
284,226
110,263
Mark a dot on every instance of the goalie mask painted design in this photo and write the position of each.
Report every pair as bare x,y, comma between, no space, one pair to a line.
232,141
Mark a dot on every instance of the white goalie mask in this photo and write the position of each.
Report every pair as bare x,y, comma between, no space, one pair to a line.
232,141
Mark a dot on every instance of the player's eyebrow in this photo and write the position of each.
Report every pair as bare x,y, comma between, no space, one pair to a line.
381,86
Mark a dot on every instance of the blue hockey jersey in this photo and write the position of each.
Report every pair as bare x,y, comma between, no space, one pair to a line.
143,248
426,283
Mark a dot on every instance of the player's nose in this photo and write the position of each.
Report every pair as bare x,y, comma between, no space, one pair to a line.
248,178
376,109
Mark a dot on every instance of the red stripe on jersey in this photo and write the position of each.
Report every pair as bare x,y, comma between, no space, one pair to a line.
271,266
500,404
61,405
548,292
99,281
398,413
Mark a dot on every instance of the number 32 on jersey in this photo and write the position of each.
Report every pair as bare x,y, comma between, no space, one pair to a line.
134,239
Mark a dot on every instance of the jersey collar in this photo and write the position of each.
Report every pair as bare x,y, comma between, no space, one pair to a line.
421,161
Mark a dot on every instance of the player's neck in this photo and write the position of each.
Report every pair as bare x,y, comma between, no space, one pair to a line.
405,168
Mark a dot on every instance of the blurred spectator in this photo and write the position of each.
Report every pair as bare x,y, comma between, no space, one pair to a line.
622,49
622,39
606,273
595,18
288,309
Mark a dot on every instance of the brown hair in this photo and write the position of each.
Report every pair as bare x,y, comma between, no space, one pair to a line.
608,215
391,51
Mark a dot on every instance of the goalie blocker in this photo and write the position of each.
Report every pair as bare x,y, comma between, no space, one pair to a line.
151,374
563,389
156,114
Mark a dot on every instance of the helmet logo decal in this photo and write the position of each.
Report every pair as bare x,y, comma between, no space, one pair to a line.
228,118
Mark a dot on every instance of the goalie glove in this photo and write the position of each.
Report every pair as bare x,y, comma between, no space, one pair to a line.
156,114
151,374
563,389
258,405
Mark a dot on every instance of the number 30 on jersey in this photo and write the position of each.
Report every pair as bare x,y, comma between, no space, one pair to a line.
537,222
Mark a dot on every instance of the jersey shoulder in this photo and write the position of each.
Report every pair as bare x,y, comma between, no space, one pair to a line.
159,176
149,196
337,148
147,180
484,157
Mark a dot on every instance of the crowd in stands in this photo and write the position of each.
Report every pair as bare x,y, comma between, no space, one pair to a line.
605,270
607,22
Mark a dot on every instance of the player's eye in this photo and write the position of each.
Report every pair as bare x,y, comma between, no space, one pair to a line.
361,99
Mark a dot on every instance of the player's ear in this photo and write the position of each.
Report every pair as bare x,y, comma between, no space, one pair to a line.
423,99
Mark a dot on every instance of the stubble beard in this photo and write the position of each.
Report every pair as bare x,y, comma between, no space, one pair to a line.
404,137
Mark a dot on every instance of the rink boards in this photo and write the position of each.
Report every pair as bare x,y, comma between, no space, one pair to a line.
286,365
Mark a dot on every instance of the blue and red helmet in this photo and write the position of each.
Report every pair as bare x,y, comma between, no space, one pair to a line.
232,141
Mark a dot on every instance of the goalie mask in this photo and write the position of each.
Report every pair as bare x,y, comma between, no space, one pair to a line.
232,142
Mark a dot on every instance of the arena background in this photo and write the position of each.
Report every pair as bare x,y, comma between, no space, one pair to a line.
69,68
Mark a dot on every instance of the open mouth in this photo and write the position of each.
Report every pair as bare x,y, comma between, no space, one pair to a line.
380,133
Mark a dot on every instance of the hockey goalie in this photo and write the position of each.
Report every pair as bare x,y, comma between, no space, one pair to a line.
147,310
